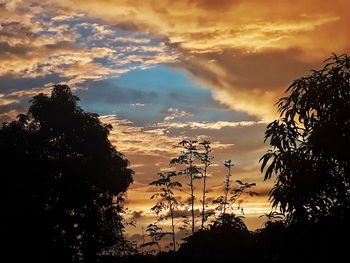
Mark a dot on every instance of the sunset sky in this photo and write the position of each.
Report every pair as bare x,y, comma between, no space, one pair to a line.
161,71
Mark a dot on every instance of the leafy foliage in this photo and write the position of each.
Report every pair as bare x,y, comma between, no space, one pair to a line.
188,155
219,242
309,145
231,196
167,201
156,233
206,160
60,175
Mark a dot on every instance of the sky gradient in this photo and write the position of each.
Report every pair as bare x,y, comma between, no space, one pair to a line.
162,71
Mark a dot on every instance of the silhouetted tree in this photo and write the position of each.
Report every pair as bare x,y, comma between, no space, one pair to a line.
220,242
228,164
310,145
123,247
167,201
273,216
59,181
206,160
156,233
187,157
231,195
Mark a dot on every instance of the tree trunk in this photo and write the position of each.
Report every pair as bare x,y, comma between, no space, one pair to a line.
227,188
172,226
192,204
204,192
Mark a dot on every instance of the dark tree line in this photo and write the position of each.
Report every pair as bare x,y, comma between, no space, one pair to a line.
60,180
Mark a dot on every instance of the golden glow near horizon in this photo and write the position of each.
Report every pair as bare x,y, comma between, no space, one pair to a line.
150,150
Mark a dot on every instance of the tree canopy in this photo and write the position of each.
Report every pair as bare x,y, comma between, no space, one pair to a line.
310,144
60,180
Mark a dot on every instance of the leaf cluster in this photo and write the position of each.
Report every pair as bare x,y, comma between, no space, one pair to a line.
309,144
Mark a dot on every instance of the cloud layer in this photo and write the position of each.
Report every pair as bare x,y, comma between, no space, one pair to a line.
40,40
246,51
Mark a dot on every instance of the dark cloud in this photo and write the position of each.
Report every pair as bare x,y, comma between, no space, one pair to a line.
5,49
17,92
137,214
9,84
183,213
109,93
213,4
249,82
127,26
12,106
265,71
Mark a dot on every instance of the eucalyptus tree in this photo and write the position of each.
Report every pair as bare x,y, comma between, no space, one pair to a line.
188,156
167,202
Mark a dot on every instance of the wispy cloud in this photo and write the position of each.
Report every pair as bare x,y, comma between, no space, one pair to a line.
175,113
138,104
31,45
42,40
133,40
214,125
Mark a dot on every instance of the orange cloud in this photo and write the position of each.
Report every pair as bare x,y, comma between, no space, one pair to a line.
246,51
31,46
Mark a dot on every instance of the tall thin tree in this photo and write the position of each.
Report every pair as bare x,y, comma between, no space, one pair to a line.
187,157
228,164
167,201
231,196
206,160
